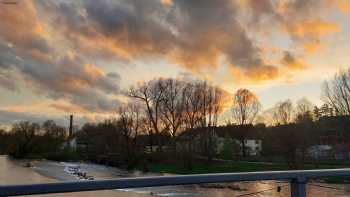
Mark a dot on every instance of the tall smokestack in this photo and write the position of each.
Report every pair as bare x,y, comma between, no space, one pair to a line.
71,126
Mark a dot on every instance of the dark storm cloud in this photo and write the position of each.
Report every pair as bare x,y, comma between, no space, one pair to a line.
210,28
259,12
292,62
191,33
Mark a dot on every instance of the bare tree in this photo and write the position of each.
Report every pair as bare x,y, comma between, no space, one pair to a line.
304,110
211,106
283,112
336,92
193,96
206,100
317,113
245,108
303,106
130,124
326,110
152,94
173,105
25,138
52,136
214,104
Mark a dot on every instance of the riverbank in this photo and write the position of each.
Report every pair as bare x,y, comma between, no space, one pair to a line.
14,172
42,171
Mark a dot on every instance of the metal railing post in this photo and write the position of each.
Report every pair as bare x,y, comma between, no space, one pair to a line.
298,187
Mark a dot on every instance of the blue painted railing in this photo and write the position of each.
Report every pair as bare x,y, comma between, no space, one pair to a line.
297,179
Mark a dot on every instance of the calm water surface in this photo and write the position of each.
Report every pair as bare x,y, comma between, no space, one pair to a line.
13,172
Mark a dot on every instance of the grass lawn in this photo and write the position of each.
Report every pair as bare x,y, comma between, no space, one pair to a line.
239,166
202,168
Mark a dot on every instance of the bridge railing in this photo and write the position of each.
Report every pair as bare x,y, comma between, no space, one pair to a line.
297,178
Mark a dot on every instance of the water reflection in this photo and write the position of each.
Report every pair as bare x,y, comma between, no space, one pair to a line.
13,172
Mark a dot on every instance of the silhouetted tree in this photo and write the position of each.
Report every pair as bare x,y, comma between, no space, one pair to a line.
211,105
245,108
23,138
131,124
102,141
317,113
325,110
304,110
173,106
193,102
291,141
151,94
52,137
4,141
336,92
283,112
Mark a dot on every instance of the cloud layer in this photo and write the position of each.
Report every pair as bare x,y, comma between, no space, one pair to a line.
28,54
53,47
194,34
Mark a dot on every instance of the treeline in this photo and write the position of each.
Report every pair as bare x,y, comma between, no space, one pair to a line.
157,112
296,131
26,139
172,120
177,121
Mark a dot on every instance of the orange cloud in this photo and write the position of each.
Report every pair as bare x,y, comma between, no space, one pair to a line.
166,2
342,5
307,34
36,107
262,73
21,25
315,28
254,74
196,59
93,71
312,46
68,107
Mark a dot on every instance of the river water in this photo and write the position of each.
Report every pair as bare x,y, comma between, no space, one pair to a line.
14,172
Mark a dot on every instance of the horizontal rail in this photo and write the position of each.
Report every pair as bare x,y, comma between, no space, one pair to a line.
78,186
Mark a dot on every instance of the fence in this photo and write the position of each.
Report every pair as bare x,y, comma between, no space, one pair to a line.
297,179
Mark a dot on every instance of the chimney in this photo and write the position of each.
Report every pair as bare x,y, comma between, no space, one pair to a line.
71,126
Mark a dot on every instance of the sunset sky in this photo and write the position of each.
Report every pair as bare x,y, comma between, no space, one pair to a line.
68,56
